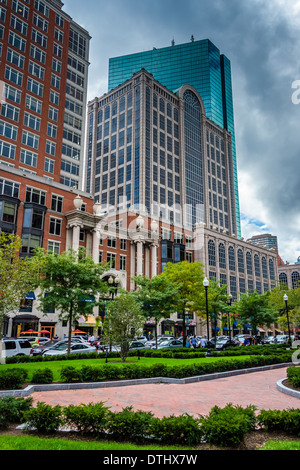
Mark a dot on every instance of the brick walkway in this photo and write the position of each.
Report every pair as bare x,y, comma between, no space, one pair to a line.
257,388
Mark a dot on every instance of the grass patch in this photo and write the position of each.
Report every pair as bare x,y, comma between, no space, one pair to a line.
56,366
281,445
39,443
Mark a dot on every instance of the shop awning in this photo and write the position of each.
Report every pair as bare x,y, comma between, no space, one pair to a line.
87,321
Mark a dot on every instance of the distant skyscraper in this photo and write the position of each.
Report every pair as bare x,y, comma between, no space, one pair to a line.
265,239
200,65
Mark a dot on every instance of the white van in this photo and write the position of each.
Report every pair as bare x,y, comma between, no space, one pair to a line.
16,347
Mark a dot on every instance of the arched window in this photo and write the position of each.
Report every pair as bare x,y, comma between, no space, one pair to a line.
241,261
295,279
249,263
264,268
283,280
231,258
222,256
211,253
256,266
271,270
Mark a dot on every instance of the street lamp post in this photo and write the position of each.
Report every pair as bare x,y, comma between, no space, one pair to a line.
229,302
285,298
114,283
206,284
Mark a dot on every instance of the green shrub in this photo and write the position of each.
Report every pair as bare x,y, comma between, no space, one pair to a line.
130,425
42,376
91,418
228,427
70,374
12,379
281,420
177,430
12,409
44,418
293,374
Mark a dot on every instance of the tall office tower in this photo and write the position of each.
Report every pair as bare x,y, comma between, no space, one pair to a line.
43,76
265,239
200,65
157,152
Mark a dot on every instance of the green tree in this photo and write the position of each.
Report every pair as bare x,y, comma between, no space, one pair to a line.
277,303
18,276
188,280
254,308
156,297
124,320
68,283
217,302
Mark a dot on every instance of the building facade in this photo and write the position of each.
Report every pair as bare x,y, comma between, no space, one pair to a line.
43,89
43,77
265,239
200,65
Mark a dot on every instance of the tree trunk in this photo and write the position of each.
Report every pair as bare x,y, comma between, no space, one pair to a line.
2,359
155,329
183,328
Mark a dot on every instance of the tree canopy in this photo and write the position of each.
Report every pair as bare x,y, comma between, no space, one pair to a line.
71,283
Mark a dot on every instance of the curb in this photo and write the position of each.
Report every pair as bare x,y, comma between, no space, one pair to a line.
124,383
288,391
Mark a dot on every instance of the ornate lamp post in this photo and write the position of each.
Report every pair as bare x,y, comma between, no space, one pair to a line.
285,298
206,284
229,302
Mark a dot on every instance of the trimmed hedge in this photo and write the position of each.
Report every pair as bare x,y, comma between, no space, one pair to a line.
293,374
180,353
12,379
134,371
224,427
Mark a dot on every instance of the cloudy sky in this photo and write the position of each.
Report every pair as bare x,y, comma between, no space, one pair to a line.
262,40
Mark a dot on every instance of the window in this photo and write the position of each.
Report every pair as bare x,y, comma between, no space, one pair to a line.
37,70
111,258
122,263
37,54
231,258
15,58
55,226
30,139
8,212
39,38
13,75
8,130
35,87
9,111
9,188
21,9
32,121
29,158
49,165
123,244
56,203
241,261
111,242
35,195
33,218
222,256
29,243
50,148
7,150
33,104
256,265
211,253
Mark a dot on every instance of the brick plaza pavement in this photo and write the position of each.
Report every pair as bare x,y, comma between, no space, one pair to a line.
255,388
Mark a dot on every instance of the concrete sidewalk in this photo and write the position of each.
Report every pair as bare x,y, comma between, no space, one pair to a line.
256,388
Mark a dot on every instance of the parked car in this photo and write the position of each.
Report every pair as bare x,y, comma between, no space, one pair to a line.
138,345
74,349
211,342
241,339
225,343
269,340
172,344
16,347
142,339
54,344
282,339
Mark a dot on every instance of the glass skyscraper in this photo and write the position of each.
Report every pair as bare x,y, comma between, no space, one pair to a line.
200,65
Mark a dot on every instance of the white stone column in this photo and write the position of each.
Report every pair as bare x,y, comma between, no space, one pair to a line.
76,235
153,260
139,258
132,264
96,246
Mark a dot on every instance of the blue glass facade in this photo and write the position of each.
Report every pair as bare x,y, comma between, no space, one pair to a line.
198,64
